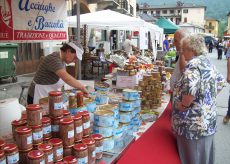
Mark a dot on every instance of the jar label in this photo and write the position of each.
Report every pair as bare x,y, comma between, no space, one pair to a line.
86,125
79,129
37,135
94,154
40,115
55,128
58,106
82,160
42,162
59,152
3,162
46,130
99,149
50,157
13,158
71,134
29,139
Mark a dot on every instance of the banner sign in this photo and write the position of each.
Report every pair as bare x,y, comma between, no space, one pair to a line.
33,20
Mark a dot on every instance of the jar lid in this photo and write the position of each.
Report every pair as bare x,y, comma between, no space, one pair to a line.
55,93
35,154
104,112
55,141
71,94
33,107
60,162
10,147
23,130
2,143
36,127
66,121
70,159
45,147
45,120
18,122
56,118
97,136
88,141
80,93
1,153
77,116
84,113
66,112
80,147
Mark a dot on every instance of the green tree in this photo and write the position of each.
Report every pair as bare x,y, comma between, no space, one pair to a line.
222,28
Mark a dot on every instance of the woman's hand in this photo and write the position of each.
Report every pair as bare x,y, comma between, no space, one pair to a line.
85,91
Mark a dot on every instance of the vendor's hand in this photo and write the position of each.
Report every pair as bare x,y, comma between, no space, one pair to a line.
85,91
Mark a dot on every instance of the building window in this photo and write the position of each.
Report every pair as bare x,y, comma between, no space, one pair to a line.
158,12
210,31
178,11
185,20
171,19
164,11
210,24
145,12
171,11
185,11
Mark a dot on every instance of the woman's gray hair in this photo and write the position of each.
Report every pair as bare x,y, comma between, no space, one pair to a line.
195,42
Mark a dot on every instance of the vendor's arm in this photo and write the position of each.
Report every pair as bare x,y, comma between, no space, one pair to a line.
68,79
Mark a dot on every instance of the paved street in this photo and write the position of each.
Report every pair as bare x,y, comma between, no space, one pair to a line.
222,138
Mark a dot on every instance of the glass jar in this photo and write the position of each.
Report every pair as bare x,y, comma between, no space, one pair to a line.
68,150
46,128
70,159
66,114
99,145
2,157
23,115
37,134
81,152
55,104
80,97
23,156
11,153
90,143
85,122
48,151
15,124
24,138
57,149
72,101
78,129
2,143
55,126
34,114
67,131
36,157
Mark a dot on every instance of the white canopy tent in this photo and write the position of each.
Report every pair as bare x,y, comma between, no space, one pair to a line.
111,20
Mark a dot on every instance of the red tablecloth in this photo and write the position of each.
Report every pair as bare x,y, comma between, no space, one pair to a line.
156,146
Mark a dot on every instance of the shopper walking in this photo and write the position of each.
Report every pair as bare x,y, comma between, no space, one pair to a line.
220,48
194,116
210,46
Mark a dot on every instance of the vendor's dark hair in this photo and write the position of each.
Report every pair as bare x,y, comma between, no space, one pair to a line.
66,47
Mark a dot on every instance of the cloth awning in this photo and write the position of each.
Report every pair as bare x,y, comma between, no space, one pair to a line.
168,26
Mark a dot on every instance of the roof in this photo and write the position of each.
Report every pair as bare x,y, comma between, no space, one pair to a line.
190,25
170,6
211,19
147,18
168,26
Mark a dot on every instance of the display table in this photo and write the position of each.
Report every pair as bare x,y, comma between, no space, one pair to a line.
156,145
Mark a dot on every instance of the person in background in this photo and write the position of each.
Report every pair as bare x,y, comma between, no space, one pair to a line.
92,40
194,114
51,74
220,48
166,44
227,117
210,46
128,46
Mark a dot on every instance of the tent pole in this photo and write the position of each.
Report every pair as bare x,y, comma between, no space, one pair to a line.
78,40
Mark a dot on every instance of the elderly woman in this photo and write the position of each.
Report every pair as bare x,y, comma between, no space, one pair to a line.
194,116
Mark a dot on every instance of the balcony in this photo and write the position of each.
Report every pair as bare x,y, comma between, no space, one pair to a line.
106,4
209,27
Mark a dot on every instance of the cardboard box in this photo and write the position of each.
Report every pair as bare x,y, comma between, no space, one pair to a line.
127,81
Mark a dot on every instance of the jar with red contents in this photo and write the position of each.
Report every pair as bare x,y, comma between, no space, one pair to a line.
2,157
90,143
67,150
24,138
80,98
67,131
85,122
70,159
34,114
55,126
37,134
36,157
15,124
55,104
11,153
23,156
78,128
48,151
81,152
57,149
66,114
99,145
46,128
23,115
2,143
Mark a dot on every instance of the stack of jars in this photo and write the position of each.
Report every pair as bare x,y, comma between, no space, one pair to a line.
76,102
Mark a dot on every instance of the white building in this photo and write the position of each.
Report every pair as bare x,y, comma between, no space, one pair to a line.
192,28
179,13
